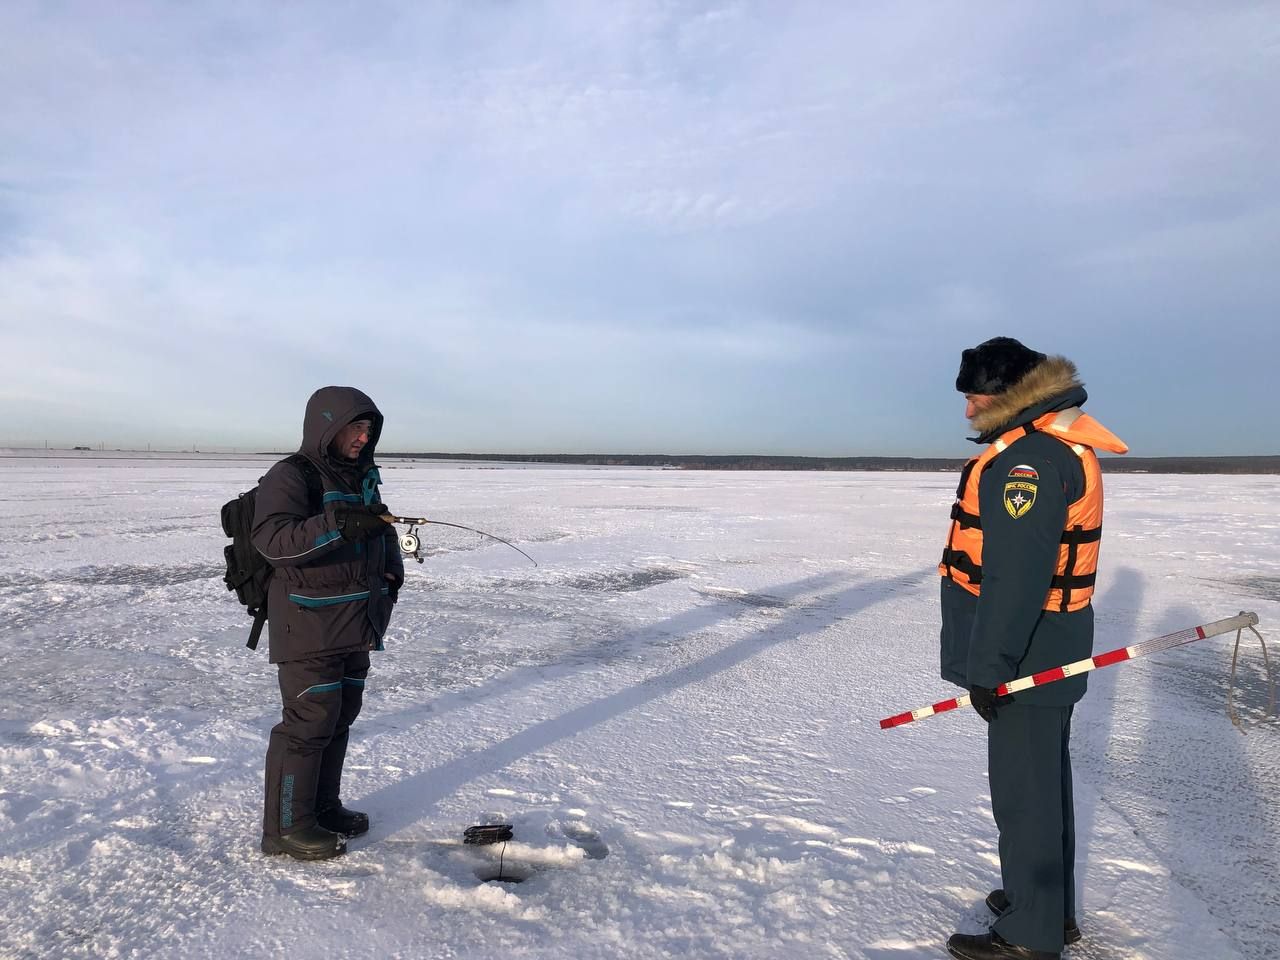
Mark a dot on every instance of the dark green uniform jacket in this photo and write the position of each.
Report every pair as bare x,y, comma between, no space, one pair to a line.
1005,633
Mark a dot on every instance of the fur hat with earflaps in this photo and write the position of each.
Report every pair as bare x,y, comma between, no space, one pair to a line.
995,366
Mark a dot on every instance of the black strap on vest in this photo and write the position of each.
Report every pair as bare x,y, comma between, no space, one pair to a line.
964,518
1066,580
964,477
959,560
1077,535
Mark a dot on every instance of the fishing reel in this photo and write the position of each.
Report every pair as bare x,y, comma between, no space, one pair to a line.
411,544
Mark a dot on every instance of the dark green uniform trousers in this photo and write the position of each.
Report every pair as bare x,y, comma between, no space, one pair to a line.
1029,768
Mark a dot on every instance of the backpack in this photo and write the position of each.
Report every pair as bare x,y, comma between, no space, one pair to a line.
248,572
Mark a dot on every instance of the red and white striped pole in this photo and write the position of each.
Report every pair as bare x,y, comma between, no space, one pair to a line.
1119,655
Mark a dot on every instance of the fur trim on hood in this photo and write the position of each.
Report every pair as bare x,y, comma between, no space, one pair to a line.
1049,378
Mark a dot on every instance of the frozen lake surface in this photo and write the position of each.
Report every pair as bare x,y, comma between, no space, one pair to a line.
677,709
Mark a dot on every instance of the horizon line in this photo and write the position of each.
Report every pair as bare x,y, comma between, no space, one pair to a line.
222,450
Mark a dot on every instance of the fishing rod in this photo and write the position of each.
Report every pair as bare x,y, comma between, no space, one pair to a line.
411,543
1239,622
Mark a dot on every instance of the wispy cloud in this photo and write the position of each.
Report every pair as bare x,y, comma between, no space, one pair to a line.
629,216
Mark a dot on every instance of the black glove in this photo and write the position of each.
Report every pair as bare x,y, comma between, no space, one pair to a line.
985,701
361,523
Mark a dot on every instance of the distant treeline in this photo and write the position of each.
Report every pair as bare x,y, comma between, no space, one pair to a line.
913,464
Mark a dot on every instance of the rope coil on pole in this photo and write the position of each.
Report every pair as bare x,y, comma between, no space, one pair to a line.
1231,685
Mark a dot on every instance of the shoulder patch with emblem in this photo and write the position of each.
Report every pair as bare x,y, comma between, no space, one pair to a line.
1020,490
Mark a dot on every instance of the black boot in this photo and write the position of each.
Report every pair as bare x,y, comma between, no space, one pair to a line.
998,903
349,823
309,843
992,946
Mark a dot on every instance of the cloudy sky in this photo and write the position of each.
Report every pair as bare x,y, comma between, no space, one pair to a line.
635,226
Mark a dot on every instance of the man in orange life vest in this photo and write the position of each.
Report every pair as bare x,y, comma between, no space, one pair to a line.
1017,577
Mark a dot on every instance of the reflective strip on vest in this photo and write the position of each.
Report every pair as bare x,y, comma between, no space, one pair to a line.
1072,585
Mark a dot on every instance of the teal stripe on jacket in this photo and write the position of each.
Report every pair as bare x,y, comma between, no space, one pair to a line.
331,601
331,496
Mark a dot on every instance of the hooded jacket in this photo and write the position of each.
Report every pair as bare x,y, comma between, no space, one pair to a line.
327,596
1004,631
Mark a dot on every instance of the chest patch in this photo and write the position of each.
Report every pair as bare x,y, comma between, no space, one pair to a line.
1019,497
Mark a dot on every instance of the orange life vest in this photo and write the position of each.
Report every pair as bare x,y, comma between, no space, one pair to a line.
1073,580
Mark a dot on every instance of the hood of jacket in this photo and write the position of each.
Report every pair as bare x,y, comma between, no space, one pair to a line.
1050,387
328,411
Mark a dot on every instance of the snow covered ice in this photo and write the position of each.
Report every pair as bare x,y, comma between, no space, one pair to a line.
677,709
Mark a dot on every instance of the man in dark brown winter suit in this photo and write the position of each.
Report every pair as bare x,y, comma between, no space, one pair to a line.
337,572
